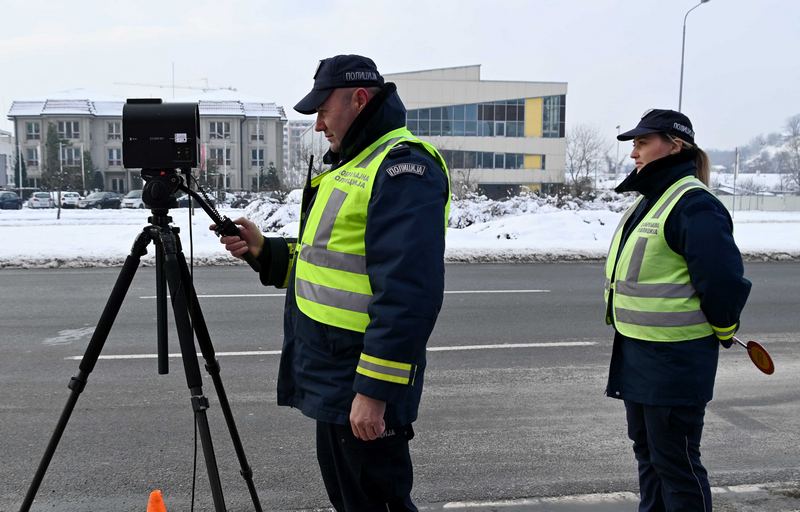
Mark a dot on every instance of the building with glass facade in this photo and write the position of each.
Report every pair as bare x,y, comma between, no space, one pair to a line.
501,135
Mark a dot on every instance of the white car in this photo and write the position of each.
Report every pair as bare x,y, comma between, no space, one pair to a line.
41,200
70,199
133,199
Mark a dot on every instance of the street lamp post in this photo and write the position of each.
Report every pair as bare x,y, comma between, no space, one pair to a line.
616,163
683,50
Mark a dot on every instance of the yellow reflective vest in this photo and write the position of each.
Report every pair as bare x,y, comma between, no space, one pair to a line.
331,281
653,296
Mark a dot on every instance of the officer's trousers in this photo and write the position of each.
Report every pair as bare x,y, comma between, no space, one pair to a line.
666,442
366,476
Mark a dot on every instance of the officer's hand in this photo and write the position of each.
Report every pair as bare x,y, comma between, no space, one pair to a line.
249,238
366,417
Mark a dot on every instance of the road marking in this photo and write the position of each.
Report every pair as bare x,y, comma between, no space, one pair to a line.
601,498
456,292
244,295
67,336
429,349
513,345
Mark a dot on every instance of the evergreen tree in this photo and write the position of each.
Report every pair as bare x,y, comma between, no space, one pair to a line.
272,181
51,160
97,182
20,171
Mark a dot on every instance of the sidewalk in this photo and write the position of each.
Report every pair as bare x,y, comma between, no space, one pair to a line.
765,497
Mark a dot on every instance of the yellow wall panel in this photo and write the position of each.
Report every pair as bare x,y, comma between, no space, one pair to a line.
532,161
533,117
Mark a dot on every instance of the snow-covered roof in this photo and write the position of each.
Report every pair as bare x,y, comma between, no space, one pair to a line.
227,108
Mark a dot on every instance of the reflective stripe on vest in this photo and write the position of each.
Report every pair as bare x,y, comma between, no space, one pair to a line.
331,281
653,297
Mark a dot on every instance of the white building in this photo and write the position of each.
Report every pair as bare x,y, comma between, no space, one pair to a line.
7,158
295,159
239,138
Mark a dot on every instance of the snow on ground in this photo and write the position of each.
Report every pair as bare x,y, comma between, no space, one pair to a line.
520,229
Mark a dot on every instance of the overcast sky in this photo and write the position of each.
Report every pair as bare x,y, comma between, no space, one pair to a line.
619,57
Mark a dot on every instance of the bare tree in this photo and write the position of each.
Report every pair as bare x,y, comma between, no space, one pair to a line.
585,151
790,157
462,183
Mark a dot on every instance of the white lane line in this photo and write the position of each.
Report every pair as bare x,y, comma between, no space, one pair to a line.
609,497
430,349
457,292
154,356
586,499
449,292
514,345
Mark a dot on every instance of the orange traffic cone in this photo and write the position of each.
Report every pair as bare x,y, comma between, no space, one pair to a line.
156,502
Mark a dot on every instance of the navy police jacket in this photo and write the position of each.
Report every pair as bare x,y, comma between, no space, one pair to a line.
404,242
700,229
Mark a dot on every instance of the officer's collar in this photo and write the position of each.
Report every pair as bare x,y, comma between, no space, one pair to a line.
658,175
382,114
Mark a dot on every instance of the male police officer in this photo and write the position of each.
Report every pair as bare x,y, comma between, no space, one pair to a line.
364,284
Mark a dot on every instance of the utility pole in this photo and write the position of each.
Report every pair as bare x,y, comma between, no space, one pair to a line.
19,161
683,51
616,162
60,177
260,161
735,174
225,167
83,171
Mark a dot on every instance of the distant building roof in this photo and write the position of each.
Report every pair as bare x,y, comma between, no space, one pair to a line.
60,107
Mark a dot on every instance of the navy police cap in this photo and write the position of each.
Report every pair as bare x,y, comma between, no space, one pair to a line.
336,72
662,121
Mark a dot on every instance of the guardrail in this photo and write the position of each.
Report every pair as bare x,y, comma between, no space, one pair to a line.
765,203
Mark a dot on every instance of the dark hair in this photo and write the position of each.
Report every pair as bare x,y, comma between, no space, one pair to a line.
701,161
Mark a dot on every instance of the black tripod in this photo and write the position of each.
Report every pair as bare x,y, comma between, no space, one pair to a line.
172,271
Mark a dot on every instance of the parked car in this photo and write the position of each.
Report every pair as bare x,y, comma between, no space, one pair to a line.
133,199
41,200
183,202
9,200
100,200
70,199
240,202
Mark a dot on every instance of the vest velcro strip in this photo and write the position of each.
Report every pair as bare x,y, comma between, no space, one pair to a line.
386,370
328,296
660,319
655,290
332,259
725,333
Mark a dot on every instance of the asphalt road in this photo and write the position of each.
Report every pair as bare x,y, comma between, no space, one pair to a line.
513,407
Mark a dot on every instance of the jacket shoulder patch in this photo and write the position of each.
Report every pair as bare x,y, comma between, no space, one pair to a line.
406,168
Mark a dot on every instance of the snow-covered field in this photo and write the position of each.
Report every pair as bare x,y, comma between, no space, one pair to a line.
521,229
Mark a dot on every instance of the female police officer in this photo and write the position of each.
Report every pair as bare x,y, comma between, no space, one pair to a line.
674,291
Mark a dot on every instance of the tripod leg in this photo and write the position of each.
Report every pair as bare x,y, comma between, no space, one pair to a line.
78,382
191,367
213,368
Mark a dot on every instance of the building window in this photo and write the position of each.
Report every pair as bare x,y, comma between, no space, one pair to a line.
257,157
33,131
32,157
69,130
505,118
114,130
554,116
257,131
71,156
483,160
221,156
117,185
219,130
114,157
